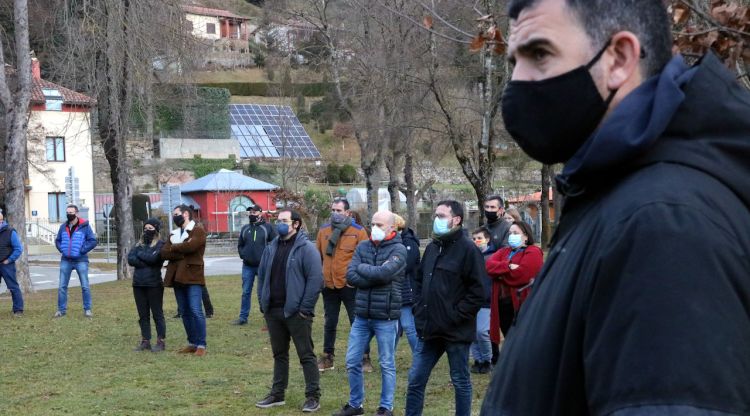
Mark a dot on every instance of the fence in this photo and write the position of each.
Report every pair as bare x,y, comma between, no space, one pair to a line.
40,231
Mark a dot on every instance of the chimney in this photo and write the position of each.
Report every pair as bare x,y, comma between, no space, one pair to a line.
36,71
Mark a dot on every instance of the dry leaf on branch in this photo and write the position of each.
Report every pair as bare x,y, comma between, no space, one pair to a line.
427,22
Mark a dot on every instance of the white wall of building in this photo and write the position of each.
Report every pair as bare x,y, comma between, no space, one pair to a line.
49,176
199,26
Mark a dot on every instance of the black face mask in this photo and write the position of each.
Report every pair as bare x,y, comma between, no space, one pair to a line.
178,220
71,217
148,236
254,218
550,119
491,216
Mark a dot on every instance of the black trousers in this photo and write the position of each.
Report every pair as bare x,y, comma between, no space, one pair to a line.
148,301
207,305
299,330
332,300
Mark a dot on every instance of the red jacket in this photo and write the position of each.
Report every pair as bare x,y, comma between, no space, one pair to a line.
506,282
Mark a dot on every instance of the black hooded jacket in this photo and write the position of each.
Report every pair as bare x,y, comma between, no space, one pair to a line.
643,304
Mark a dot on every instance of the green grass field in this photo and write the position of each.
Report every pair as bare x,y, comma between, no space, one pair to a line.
77,366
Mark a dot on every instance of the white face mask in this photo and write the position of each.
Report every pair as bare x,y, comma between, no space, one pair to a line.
377,234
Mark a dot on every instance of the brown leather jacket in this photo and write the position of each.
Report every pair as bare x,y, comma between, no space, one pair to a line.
334,267
185,258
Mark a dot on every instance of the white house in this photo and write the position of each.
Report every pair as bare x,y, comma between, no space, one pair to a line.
60,162
214,24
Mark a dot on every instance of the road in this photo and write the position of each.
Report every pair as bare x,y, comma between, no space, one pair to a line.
47,277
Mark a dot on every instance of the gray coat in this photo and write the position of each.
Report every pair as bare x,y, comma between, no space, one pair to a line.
304,276
377,271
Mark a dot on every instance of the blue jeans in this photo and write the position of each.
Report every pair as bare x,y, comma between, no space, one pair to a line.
359,338
406,324
481,348
248,278
426,356
189,300
8,273
66,268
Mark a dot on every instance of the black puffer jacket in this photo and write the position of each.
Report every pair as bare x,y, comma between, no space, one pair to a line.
377,272
411,243
448,289
254,238
148,263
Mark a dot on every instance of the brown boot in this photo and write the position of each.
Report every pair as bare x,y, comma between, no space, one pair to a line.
200,352
145,345
325,362
190,349
367,364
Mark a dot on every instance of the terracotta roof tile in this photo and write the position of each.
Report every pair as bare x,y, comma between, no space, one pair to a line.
206,11
69,96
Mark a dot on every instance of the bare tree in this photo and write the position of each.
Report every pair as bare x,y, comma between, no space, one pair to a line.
14,100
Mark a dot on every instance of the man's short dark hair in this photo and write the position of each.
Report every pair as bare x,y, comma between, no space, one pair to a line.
342,201
497,198
456,208
647,19
255,207
75,207
526,228
295,216
482,230
183,208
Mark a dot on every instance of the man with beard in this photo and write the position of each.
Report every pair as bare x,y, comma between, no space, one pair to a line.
643,304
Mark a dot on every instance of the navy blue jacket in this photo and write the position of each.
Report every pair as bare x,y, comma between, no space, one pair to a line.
76,245
643,304
304,277
377,272
10,245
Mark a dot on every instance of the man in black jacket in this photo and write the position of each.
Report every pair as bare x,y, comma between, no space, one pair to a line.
494,209
642,307
448,293
254,238
376,270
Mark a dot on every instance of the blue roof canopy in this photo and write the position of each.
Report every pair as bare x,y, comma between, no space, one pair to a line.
226,180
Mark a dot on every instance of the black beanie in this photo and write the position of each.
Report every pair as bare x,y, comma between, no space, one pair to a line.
154,222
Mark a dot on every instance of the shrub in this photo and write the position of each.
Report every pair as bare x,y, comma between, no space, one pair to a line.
347,174
332,173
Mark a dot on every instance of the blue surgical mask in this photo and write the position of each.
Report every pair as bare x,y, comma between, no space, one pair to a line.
515,240
440,226
377,234
282,229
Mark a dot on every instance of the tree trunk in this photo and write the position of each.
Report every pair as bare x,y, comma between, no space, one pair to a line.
372,184
16,106
393,182
544,206
411,191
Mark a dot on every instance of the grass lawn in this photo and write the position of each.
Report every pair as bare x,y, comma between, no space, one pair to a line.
87,367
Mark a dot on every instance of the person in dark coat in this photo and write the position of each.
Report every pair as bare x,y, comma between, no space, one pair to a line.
643,304
482,348
406,321
254,238
148,289
448,293
494,211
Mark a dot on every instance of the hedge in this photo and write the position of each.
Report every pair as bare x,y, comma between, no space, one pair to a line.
270,89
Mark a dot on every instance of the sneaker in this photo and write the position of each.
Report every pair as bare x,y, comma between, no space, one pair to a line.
347,410
239,322
485,367
190,349
59,314
325,362
159,346
311,405
382,411
145,345
367,364
200,352
475,367
87,313
270,401
209,315
18,314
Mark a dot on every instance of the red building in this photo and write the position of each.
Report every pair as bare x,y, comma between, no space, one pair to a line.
223,197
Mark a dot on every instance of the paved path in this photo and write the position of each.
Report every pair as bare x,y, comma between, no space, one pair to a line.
47,276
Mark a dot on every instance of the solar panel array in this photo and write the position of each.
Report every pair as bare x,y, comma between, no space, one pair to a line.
270,131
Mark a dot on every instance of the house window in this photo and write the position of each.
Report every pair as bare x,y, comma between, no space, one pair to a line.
211,28
55,149
56,203
53,100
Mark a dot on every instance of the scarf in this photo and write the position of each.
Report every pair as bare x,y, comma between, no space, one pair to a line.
338,229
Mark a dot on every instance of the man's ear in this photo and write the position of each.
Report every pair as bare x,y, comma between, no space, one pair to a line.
623,61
